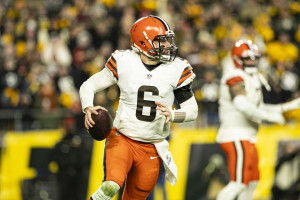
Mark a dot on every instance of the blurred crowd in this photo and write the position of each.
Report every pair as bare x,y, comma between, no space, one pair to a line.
48,48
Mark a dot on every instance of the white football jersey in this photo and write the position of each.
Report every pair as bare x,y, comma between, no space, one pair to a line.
234,124
136,116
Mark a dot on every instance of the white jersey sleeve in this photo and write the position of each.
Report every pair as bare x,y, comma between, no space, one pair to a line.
188,109
95,83
255,113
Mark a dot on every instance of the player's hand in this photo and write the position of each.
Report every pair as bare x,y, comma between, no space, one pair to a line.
88,121
164,111
291,105
276,117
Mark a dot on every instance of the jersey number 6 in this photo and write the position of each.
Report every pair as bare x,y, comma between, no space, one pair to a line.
141,102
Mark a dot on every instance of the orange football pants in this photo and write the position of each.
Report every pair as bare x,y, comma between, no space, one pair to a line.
138,162
242,158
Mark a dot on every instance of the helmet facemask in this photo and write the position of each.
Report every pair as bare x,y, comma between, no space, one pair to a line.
166,49
250,68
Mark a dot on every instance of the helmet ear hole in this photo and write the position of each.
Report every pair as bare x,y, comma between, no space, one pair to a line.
142,43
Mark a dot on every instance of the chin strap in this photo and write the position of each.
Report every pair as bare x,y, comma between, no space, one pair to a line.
139,50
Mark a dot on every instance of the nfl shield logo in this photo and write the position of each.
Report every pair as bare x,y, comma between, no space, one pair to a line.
149,76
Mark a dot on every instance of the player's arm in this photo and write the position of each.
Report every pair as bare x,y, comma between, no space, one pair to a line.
99,81
95,83
184,95
188,105
290,105
251,111
283,107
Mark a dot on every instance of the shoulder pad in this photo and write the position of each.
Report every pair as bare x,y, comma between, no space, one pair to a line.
119,54
187,75
232,74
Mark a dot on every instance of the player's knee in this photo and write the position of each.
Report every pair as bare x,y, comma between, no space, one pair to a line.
110,188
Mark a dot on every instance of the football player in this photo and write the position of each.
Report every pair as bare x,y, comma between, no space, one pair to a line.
241,111
150,77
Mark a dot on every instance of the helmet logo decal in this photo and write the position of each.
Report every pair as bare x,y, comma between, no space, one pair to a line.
134,28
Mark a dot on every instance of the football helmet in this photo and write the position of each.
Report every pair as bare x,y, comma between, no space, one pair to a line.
149,29
242,50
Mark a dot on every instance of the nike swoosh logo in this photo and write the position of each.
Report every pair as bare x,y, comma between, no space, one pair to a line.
153,157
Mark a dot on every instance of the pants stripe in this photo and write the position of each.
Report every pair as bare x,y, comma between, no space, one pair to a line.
104,162
239,162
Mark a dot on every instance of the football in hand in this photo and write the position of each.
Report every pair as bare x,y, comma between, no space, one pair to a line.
102,126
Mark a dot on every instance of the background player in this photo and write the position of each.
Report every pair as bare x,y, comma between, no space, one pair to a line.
241,110
150,77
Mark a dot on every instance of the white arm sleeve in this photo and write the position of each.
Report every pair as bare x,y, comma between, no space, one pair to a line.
254,113
271,107
188,111
95,83
291,105
283,107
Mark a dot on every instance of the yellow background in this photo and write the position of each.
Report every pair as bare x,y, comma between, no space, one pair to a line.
16,149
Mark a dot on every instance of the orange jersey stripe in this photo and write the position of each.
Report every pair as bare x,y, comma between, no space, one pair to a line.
111,69
113,61
234,81
111,64
186,71
184,78
185,75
